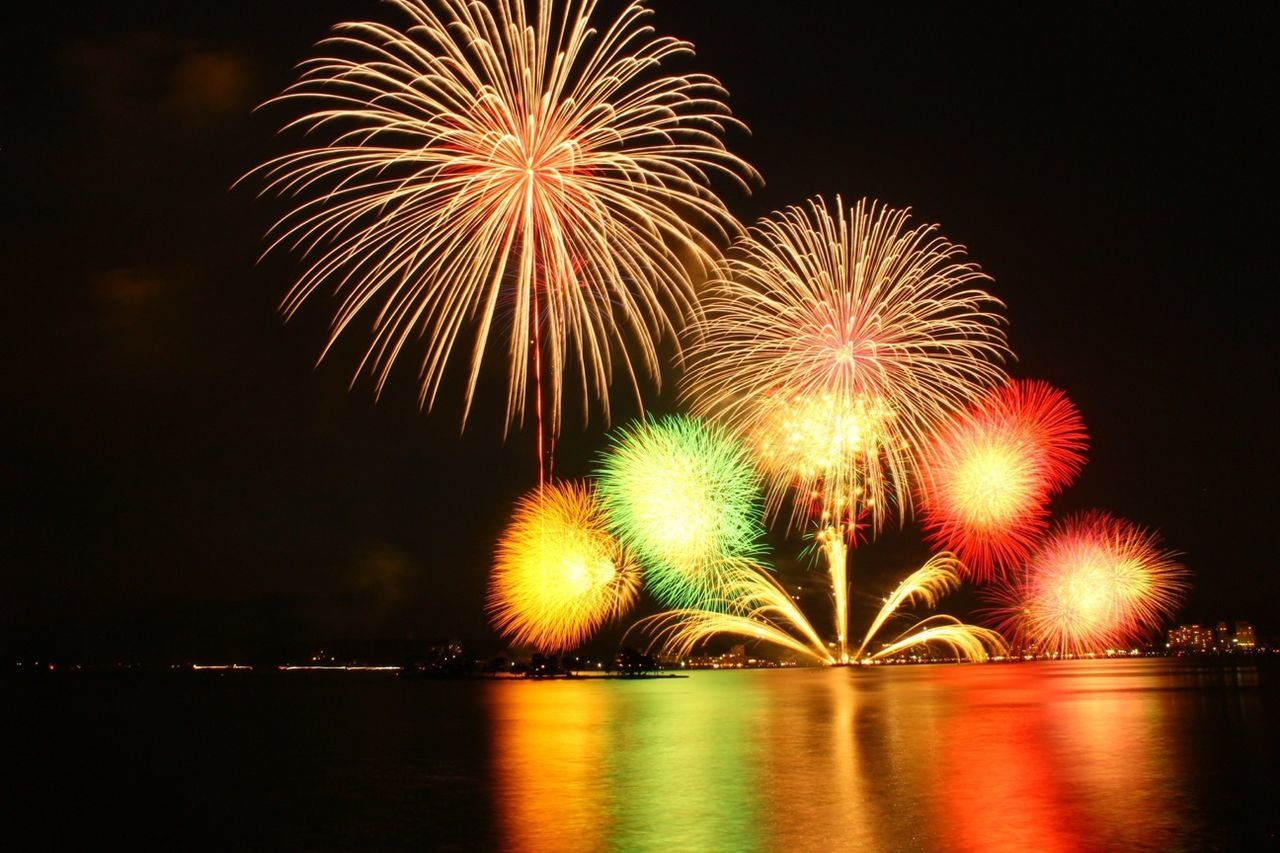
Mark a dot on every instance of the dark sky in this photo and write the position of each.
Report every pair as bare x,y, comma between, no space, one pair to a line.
184,481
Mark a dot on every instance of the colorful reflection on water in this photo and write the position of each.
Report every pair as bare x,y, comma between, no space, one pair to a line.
1044,757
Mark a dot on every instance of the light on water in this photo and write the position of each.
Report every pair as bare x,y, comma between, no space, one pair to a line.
1050,756
1133,754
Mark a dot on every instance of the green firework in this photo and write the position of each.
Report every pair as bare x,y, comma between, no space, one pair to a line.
685,497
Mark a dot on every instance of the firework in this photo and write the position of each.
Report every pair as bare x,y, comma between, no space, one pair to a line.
684,496
559,574
927,585
751,605
1052,424
967,642
989,474
1096,582
755,607
492,162
836,341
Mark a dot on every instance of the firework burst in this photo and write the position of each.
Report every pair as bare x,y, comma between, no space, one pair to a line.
685,497
559,575
836,341
493,160
988,475
1096,582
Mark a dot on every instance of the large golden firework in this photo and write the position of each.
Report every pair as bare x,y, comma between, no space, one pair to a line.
491,170
559,575
836,341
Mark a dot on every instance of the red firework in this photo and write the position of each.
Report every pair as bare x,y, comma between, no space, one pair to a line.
989,475
1054,425
1097,582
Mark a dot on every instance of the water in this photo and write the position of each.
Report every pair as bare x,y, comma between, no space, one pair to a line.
1107,755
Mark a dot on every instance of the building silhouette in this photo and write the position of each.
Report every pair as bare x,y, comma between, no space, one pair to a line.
1220,639
1190,638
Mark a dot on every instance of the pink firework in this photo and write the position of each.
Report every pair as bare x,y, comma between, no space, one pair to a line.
1097,582
989,475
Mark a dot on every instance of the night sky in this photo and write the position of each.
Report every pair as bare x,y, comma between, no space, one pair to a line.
184,481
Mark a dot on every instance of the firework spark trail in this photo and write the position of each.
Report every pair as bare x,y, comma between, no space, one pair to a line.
836,342
559,574
1096,582
684,496
965,641
755,607
489,155
752,606
988,475
679,632
926,585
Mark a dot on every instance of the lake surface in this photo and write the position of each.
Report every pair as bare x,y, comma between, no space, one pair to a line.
1145,754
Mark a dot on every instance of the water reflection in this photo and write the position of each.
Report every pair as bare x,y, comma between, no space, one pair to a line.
551,746
1061,756
583,765
1003,790
811,766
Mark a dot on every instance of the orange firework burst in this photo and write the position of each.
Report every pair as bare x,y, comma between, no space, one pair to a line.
559,575
493,163
1097,582
989,474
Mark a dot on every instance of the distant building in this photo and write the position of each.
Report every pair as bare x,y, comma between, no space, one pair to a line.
735,658
1220,639
1190,638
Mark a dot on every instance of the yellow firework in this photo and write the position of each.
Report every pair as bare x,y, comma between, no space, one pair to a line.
492,170
818,441
559,575
993,482
749,604
837,341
